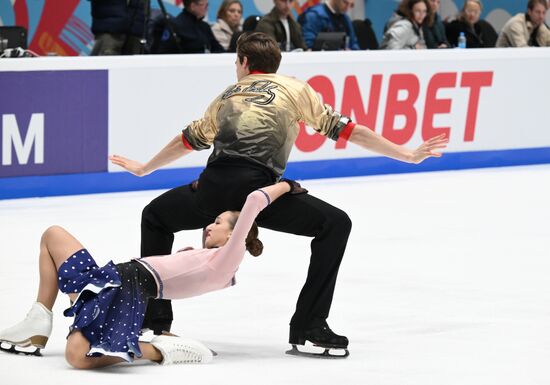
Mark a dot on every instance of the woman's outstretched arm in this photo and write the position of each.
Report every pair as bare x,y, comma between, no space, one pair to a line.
274,191
232,253
255,202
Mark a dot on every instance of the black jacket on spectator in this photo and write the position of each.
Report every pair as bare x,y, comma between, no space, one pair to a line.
435,35
483,34
195,36
118,16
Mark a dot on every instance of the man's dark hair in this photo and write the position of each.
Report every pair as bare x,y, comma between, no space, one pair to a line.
531,4
187,3
262,51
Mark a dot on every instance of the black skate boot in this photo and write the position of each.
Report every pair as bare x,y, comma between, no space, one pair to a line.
320,336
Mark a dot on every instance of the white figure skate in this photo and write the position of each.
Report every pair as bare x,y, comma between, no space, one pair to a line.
181,350
29,335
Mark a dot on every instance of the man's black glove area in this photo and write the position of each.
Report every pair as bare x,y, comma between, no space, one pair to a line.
295,187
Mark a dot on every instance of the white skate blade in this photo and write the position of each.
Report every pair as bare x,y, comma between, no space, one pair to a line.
28,349
312,351
36,341
22,344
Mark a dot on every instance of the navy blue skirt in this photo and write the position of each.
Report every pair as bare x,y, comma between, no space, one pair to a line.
111,304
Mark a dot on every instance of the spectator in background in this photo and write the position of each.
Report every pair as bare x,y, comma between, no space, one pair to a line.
280,25
118,26
404,30
527,29
229,22
435,35
194,34
478,33
328,17
249,25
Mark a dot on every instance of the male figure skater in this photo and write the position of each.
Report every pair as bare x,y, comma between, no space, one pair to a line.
253,126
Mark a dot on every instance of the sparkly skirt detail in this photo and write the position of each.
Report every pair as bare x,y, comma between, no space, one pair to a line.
110,308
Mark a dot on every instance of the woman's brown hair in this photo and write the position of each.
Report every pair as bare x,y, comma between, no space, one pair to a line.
225,5
406,6
253,245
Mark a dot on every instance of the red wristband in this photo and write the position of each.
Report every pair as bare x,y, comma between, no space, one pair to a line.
186,143
346,131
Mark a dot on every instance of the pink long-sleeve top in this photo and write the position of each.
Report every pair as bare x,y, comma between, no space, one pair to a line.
194,272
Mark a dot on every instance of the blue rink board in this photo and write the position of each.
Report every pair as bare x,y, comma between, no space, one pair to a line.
90,183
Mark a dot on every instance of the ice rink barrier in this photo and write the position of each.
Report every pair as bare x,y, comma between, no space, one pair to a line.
61,117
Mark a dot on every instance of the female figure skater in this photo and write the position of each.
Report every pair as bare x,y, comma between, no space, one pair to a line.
109,302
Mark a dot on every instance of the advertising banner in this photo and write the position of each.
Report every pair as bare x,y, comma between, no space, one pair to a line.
63,116
53,122
474,97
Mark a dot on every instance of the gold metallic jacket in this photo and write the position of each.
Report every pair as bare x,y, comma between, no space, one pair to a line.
257,119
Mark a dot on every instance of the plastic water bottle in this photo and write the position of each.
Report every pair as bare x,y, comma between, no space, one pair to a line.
461,40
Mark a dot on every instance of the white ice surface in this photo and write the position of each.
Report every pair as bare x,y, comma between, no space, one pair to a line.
446,280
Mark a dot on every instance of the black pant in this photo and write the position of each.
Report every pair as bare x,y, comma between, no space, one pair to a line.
224,186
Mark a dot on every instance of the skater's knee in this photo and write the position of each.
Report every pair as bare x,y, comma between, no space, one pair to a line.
75,352
52,231
77,362
341,221
77,359
148,213
346,222
154,218
145,213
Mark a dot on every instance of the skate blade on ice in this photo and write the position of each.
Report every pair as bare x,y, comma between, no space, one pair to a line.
325,353
26,349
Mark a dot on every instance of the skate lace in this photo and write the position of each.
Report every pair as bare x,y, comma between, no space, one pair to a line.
184,354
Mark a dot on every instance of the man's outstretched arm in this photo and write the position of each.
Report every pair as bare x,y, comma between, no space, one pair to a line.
175,149
336,126
370,140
